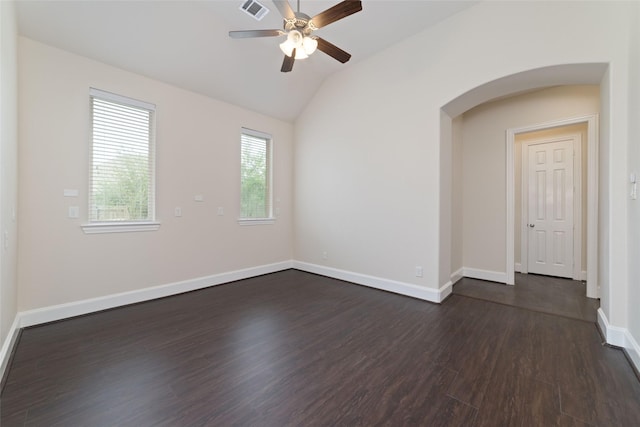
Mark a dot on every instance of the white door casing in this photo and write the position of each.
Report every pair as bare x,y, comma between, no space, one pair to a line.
592,194
548,206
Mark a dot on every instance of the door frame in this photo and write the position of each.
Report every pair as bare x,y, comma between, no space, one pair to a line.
576,271
592,195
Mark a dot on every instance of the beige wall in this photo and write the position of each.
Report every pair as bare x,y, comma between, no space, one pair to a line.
197,142
484,157
8,174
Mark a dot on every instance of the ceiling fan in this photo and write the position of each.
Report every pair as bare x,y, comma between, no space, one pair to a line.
299,28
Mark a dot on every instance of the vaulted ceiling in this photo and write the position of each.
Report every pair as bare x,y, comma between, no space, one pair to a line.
186,43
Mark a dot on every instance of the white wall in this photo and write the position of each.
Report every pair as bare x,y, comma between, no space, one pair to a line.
633,300
445,202
197,141
368,163
484,156
8,177
457,196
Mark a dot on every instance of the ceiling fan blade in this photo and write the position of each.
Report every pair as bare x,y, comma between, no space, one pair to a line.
333,50
287,64
337,12
284,8
254,33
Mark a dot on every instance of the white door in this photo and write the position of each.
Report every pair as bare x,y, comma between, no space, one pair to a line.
550,208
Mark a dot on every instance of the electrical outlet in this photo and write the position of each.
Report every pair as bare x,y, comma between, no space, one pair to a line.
324,255
177,211
220,211
418,271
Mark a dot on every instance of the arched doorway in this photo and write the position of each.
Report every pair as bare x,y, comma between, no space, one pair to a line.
572,74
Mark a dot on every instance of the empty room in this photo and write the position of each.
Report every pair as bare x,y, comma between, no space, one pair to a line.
317,212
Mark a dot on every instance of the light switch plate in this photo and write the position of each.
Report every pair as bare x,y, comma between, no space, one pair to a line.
70,192
74,211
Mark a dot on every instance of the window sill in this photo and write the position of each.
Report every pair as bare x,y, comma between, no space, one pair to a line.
256,221
119,227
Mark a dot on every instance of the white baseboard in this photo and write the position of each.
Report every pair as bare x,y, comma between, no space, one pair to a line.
491,276
613,335
633,350
8,345
407,289
583,274
77,308
457,275
620,337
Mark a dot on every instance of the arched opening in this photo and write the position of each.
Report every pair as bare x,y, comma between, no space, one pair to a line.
508,86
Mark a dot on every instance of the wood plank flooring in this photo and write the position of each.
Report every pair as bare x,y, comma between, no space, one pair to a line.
296,349
552,295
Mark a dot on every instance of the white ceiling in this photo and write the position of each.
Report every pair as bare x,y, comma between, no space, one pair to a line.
186,43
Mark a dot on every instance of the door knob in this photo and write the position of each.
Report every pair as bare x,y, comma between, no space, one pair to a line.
531,225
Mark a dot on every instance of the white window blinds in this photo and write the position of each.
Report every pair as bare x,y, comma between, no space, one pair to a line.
255,183
122,159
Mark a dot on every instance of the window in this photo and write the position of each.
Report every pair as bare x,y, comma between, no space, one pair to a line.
255,181
122,187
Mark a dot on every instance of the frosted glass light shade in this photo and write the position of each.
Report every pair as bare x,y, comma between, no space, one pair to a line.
303,45
287,49
309,45
295,38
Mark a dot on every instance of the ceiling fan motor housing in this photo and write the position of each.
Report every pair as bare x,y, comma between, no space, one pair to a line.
302,23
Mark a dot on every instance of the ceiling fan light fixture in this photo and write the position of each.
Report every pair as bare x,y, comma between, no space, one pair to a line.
293,41
304,45
287,49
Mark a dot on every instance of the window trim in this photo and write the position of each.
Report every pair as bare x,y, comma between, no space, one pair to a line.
256,221
150,224
119,227
271,218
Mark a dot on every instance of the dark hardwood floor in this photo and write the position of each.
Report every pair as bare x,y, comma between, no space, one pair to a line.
552,295
296,349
